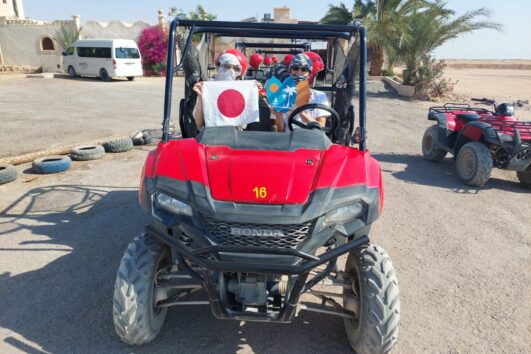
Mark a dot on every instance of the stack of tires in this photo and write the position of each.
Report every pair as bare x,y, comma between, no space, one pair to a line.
61,163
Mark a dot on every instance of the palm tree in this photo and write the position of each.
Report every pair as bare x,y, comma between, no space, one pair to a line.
67,35
339,15
380,17
425,30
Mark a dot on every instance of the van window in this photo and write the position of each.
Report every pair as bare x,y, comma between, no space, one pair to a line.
94,52
70,51
127,53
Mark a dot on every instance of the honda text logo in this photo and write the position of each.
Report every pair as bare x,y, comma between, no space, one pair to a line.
246,231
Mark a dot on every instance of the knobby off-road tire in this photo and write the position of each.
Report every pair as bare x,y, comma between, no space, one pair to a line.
474,164
8,173
525,176
374,282
430,141
118,145
136,319
86,153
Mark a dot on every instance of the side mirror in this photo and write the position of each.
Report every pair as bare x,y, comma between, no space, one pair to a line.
64,53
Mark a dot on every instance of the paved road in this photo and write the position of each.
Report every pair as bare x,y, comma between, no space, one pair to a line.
461,254
37,114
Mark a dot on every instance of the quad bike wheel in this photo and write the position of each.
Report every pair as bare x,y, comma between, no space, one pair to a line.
374,298
474,164
525,176
137,319
430,141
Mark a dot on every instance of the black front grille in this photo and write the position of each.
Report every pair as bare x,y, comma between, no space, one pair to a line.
259,235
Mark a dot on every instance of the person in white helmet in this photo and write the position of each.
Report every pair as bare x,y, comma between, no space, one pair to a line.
231,65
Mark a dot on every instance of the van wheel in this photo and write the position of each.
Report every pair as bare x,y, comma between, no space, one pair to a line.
131,78
104,75
71,72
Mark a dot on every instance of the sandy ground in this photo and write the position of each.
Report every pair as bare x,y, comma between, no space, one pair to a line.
501,85
511,64
461,255
37,114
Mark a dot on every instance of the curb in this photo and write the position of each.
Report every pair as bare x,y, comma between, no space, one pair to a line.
61,150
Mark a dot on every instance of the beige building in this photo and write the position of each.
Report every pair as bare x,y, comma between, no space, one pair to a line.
12,9
27,44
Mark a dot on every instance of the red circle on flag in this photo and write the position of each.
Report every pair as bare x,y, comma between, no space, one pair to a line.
231,103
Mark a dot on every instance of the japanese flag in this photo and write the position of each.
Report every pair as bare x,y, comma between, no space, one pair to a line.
230,102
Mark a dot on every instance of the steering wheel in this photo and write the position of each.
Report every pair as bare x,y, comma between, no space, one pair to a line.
334,117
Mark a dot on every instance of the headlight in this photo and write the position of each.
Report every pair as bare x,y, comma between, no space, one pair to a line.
505,137
173,205
344,213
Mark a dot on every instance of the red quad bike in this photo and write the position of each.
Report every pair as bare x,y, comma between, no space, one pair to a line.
256,220
480,139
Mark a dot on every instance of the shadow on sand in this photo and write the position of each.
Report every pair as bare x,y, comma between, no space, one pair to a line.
441,174
64,304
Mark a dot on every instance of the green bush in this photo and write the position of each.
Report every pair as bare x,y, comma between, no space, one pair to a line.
388,72
428,79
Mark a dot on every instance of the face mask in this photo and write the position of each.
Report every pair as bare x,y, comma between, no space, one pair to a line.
298,78
226,74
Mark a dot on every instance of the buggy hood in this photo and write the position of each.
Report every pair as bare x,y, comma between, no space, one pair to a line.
243,175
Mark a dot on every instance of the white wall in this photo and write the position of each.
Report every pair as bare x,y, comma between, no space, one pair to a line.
112,29
20,42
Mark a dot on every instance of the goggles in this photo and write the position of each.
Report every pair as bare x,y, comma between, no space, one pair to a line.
297,68
236,68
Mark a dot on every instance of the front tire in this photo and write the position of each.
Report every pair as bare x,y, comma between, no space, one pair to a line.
430,143
131,78
525,176
71,72
137,320
474,164
374,297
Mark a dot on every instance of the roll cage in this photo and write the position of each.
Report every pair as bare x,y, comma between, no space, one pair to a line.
341,89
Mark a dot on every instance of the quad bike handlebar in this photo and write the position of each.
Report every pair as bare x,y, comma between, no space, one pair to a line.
490,101
487,101
503,108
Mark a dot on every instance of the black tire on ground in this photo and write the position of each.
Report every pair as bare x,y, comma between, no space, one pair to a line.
136,318
118,145
374,297
131,78
147,137
104,75
8,173
89,152
430,141
51,164
71,72
141,138
525,176
474,164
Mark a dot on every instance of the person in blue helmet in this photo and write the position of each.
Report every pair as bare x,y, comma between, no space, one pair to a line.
305,66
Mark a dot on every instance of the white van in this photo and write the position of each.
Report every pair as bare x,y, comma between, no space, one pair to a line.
103,58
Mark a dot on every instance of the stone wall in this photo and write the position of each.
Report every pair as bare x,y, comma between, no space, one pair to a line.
112,29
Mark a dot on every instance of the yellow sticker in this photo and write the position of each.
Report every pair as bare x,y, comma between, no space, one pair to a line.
260,192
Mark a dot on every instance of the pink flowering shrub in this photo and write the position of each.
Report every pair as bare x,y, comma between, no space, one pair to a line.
153,45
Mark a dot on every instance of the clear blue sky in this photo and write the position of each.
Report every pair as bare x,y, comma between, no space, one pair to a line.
514,15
